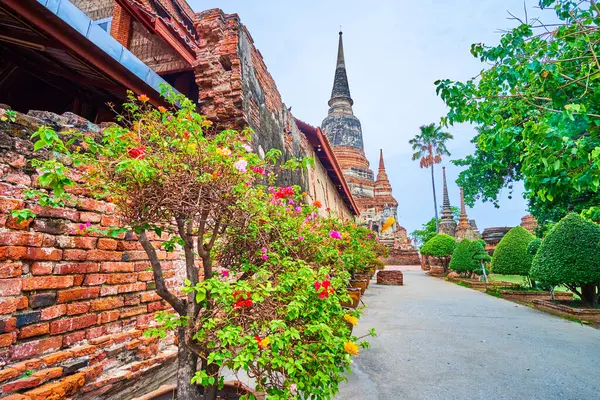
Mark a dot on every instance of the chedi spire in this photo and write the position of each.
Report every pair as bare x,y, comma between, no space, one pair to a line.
465,229
447,224
382,184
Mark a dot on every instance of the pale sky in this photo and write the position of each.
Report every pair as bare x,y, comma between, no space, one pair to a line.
394,52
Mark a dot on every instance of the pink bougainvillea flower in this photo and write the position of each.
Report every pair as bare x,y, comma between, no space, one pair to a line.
263,250
300,238
293,388
335,235
225,273
247,147
298,209
241,165
169,118
88,224
81,227
137,152
259,170
264,257
291,201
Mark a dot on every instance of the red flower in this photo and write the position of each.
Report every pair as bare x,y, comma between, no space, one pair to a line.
248,303
324,288
186,134
137,152
242,299
317,204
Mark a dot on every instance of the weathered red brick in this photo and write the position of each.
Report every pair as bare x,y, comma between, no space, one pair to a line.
13,253
93,333
149,296
7,205
58,390
85,216
23,383
76,242
10,287
108,303
36,347
9,305
31,364
76,268
53,312
133,311
51,212
147,352
7,339
108,316
107,244
95,279
132,287
116,267
129,245
57,357
75,255
34,330
95,205
157,306
13,223
48,374
132,299
146,276
114,279
11,270
72,324
85,350
103,255
28,239
43,254
65,296
78,279
73,338
47,282
109,221
42,268
141,255
9,373
17,397
8,324
78,308
109,290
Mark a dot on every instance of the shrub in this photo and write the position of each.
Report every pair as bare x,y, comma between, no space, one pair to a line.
468,255
511,256
534,246
570,255
462,257
440,246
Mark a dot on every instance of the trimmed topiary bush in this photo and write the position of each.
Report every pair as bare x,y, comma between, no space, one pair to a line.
462,257
440,246
534,246
511,256
570,255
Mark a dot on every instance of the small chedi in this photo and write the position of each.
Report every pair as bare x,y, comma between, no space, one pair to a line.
465,229
373,196
492,236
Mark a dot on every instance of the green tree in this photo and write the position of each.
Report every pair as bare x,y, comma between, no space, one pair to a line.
462,258
429,146
570,255
537,108
440,246
511,256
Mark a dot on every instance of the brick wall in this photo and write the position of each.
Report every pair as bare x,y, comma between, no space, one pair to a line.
73,304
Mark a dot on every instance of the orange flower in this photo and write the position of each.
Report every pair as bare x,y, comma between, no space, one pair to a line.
162,109
317,204
351,348
143,98
206,123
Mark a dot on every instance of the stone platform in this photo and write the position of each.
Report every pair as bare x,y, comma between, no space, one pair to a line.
390,278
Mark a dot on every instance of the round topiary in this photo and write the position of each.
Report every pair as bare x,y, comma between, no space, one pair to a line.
441,245
462,257
534,246
570,255
511,256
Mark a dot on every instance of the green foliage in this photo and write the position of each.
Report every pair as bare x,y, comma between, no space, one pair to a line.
570,255
537,107
440,245
511,256
534,246
468,256
8,115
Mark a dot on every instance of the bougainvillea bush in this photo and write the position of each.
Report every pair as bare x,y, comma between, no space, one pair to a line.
265,275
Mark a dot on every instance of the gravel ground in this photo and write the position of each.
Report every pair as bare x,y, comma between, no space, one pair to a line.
437,340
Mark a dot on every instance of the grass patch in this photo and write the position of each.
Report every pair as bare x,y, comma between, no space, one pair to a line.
521,281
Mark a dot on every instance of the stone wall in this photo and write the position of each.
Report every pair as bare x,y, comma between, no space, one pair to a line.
73,303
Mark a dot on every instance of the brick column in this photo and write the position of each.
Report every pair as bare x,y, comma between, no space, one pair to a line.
121,25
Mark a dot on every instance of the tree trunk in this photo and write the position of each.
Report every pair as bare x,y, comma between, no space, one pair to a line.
186,369
435,207
588,295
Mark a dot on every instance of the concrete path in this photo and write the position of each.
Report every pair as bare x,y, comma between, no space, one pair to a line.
438,340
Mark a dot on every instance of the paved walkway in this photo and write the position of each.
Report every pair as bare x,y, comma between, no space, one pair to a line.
438,340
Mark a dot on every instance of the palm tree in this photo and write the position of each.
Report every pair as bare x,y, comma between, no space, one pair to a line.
429,147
